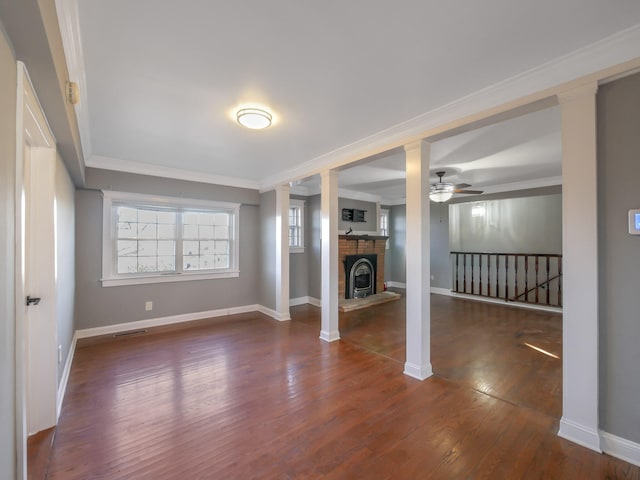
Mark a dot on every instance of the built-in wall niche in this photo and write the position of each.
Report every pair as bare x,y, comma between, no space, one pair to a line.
353,215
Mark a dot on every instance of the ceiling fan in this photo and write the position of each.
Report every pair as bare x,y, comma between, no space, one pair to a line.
442,191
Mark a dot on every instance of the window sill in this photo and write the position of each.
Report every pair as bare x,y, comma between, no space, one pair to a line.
296,249
172,277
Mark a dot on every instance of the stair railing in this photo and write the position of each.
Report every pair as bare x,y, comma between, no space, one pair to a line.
513,277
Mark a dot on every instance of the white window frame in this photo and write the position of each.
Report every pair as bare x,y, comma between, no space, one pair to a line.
384,212
299,204
110,277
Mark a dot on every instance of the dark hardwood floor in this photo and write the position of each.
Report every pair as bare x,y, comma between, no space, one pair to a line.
247,397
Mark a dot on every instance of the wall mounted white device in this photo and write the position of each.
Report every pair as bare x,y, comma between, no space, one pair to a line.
634,221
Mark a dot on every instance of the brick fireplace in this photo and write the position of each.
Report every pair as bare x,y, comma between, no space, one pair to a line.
360,245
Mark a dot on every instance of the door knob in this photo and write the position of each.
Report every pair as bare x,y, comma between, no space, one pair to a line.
33,300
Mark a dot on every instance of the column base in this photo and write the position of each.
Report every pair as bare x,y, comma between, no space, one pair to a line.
329,336
418,372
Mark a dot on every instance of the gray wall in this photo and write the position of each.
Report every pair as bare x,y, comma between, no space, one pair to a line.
314,242
65,259
514,225
267,246
439,238
397,241
299,262
371,218
619,256
99,306
8,76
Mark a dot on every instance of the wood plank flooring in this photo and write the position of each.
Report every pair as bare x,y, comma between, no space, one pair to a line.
247,397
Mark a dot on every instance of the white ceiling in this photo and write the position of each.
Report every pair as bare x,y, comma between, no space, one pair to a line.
162,78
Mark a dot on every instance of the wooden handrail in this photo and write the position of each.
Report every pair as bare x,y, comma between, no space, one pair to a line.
539,285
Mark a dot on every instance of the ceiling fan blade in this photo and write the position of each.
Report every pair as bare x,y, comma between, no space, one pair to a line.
461,185
469,192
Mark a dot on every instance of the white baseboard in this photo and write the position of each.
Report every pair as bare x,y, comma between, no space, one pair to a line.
396,284
314,301
441,291
162,321
498,301
620,448
62,387
281,317
580,434
304,300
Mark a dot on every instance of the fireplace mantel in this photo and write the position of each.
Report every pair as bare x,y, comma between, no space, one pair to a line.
362,237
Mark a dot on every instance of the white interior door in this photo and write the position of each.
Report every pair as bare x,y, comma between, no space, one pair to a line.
40,316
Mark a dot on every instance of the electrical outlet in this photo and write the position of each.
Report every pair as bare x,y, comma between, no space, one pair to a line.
148,306
59,354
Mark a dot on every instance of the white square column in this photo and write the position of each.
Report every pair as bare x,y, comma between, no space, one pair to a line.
418,362
282,252
579,421
329,259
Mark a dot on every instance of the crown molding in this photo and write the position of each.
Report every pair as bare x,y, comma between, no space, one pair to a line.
597,62
361,196
107,163
524,185
69,21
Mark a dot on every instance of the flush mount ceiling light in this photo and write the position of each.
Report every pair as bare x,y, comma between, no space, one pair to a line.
254,118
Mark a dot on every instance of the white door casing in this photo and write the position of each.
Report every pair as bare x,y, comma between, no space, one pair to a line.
36,342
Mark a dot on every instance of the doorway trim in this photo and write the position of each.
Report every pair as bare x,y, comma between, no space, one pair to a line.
32,131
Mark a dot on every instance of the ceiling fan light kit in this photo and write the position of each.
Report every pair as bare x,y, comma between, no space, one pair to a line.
440,191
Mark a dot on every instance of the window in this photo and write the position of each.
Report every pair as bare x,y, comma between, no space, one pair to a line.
384,224
296,226
149,239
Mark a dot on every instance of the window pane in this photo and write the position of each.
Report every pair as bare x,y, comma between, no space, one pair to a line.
206,262
221,233
190,262
190,231
190,247
127,264
207,247
221,219
221,247
206,231
221,261
166,231
127,248
167,217
147,248
206,218
166,247
190,218
147,264
166,263
147,216
126,214
127,230
147,230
